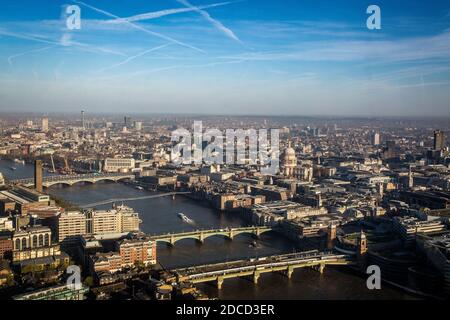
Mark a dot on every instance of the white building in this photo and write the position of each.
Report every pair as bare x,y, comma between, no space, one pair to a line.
119,164
44,124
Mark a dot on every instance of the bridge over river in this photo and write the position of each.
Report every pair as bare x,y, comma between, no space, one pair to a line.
254,268
201,235
108,201
72,179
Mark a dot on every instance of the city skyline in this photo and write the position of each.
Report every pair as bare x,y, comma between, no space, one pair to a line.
231,57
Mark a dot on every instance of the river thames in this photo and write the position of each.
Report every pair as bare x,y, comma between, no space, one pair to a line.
159,215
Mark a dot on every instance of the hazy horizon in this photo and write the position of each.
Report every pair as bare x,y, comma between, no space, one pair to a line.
248,57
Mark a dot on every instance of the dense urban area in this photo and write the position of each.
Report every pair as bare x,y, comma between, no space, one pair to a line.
349,193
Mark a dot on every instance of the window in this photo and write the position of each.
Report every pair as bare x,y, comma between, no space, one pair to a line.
17,244
35,241
24,243
47,239
41,240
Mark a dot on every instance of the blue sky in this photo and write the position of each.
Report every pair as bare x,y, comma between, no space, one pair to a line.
229,57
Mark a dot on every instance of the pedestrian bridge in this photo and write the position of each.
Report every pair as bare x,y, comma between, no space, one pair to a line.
254,268
202,235
72,179
118,200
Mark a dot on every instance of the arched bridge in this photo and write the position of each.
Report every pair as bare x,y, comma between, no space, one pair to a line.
201,235
72,179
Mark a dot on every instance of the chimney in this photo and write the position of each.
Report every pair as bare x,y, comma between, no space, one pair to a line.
38,175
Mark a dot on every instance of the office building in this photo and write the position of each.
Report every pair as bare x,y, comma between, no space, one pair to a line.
83,124
119,164
44,125
122,219
71,226
439,140
409,227
6,245
137,251
376,139
138,125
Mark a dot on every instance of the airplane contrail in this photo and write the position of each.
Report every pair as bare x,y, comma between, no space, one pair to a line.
63,42
162,13
10,58
217,24
133,57
156,34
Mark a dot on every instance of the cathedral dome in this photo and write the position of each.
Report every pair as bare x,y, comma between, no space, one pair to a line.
289,153
289,161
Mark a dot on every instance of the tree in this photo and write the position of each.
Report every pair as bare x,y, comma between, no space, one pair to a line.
89,281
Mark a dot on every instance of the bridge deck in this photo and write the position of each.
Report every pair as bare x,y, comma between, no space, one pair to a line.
56,178
153,196
241,268
204,234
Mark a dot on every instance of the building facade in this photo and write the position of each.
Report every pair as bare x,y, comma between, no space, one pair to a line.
119,164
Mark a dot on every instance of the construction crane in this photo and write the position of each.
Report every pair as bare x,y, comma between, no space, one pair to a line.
66,165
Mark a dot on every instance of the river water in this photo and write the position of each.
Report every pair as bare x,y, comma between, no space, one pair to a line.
159,215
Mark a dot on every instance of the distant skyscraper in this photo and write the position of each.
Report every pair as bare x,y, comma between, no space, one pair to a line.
83,124
376,139
126,121
390,150
410,178
138,125
439,140
44,125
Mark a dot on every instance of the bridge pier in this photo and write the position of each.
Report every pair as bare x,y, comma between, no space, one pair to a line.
256,276
319,268
288,272
219,282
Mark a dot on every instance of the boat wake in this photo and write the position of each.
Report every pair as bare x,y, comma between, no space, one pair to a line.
185,218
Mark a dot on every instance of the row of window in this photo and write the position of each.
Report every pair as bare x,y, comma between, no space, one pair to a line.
36,241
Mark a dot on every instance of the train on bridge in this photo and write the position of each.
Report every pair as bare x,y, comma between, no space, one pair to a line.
253,268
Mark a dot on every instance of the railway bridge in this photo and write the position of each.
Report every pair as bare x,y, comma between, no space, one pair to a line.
254,268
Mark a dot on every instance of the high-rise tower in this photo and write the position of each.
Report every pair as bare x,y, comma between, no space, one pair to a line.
439,140
83,124
44,125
